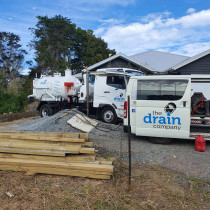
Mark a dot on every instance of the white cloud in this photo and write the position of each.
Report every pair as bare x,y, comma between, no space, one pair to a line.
155,16
25,72
162,31
99,31
201,18
191,10
111,21
193,49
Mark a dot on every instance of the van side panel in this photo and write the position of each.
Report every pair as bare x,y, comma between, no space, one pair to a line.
166,115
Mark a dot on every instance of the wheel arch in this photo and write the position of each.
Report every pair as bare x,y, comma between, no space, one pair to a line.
51,104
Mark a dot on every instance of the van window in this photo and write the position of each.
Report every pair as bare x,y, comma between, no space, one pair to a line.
116,82
164,90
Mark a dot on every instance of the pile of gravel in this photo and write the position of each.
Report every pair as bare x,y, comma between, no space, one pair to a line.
53,124
49,124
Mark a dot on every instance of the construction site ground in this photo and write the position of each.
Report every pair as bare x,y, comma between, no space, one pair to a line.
171,176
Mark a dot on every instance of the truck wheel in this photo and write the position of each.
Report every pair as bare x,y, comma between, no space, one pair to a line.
108,115
195,101
46,111
125,128
160,140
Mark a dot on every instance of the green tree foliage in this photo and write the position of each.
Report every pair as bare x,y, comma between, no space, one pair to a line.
11,58
59,44
13,94
88,49
15,99
53,43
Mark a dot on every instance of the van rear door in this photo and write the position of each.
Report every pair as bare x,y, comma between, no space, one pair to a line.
162,107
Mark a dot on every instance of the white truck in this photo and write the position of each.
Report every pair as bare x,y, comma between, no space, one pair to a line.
165,107
107,89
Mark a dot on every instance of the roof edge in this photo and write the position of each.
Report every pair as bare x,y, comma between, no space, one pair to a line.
116,56
190,60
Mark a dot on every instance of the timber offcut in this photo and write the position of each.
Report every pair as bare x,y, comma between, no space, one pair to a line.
68,154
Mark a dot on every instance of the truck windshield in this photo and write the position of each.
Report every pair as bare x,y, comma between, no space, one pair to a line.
116,82
165,90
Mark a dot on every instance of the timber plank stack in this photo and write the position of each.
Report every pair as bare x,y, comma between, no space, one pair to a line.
52,153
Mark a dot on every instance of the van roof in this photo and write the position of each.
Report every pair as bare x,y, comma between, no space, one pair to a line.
194,78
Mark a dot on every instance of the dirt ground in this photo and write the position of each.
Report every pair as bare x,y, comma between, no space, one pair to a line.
6,126
152,188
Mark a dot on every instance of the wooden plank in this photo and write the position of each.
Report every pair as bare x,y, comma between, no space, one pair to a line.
42,138
48,164
72,158
84,136
49,134
85,157
64,147
78,173
32,152
103,161
26,141
64,171
87,150
90,144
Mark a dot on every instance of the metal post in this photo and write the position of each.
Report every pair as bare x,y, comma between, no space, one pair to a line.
87,91
129,145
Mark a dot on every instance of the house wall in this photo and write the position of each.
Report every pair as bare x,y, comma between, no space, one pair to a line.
200,66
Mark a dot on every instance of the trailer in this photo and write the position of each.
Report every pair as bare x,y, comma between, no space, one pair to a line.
106,92
167,107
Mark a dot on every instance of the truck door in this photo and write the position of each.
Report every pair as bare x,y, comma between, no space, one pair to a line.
114,93
161,107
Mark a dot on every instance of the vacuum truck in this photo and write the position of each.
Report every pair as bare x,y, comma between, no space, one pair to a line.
106,96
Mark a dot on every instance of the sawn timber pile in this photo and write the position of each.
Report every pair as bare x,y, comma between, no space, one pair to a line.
52,153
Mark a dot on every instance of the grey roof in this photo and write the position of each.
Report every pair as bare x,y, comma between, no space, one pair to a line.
158,61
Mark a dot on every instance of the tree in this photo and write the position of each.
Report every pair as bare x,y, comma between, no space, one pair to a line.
53,43
59,44
11,58
88,49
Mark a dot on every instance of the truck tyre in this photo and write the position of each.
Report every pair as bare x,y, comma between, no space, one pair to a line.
125,128
160,140
108,115
195,101
46,111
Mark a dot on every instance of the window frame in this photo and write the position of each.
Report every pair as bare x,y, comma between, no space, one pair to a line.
170,95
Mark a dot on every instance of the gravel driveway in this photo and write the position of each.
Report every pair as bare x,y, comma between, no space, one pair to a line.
180,155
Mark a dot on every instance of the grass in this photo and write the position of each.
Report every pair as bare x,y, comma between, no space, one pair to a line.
152,188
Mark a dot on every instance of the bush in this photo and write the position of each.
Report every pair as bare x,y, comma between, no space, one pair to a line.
12,103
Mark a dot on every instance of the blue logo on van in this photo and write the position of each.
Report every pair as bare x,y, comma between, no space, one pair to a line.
157,120
161,119
119,99
44,82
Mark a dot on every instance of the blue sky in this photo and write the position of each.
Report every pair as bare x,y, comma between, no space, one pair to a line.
128,26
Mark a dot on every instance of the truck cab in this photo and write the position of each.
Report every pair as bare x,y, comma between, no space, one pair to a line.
109,92
161,106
